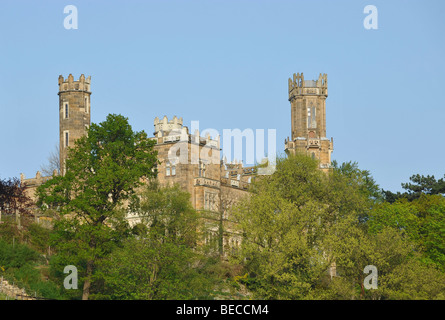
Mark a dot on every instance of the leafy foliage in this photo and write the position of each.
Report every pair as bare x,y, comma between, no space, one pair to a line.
419,185
291,222
17,255
18,264
422,221
162,261
38,237
13,197
300,224
102,171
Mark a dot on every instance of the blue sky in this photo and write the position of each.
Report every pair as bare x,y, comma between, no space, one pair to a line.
226,64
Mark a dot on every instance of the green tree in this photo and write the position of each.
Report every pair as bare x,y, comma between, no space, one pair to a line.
427,185
103,170
401,215
401,273
38,237
361,178
17,255
13,197
291,223
419,185
300,223
421,220
414,280
163,260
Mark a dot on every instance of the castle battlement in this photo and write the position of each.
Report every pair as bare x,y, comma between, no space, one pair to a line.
168,131
69,84
164,125
37,181
299,87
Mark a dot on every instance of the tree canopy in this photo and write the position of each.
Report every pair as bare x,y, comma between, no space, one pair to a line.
310,234
419,185
13,197
161,260
103,170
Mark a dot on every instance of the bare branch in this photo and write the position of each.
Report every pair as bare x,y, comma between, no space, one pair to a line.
52,164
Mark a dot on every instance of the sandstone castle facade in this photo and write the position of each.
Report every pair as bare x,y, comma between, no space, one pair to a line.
214,184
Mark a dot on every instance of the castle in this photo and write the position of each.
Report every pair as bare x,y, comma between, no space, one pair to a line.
213,183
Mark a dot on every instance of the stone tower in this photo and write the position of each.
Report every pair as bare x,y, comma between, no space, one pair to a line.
308,118
74,112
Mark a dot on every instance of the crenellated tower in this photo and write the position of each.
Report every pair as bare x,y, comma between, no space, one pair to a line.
308,118
165,126
74,112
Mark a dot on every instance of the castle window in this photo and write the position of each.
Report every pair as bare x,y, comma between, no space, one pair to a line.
210,201
86,105
170,169
66,136
314,119
308,117
202,169
66,111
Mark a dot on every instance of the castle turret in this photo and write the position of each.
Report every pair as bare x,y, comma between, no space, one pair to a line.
74,112
166,126
308,118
